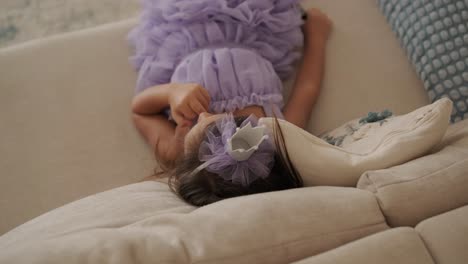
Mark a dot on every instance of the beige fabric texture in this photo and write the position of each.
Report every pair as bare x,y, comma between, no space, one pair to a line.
446,236
400,245
366,69
66,134
65,118
145,223
407,137
454,133
66,129
424,187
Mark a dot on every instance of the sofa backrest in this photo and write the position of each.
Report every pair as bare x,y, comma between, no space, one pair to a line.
424,187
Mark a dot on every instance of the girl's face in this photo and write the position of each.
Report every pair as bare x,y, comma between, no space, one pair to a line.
197,132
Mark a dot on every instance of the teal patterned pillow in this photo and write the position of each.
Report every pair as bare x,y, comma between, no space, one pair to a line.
435,36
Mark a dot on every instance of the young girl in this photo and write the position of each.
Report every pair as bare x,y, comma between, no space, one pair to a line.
207,70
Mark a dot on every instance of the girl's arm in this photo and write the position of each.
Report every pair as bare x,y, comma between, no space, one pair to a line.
152,100
309,78
158,132
165,137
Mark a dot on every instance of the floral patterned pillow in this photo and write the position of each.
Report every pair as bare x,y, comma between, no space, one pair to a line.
357,129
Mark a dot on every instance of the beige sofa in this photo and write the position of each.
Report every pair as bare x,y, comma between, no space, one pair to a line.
67,134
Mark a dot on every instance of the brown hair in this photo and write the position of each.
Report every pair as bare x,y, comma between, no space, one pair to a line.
205,187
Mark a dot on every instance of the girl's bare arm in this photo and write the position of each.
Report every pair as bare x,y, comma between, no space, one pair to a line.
152,100
164,136
147,116
309,77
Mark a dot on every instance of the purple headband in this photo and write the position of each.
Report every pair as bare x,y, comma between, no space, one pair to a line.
240,154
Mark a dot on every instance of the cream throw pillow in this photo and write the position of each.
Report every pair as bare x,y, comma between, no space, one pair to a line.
402,139
354,130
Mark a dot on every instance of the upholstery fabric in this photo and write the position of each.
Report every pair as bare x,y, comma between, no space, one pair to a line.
425,187
146,223
66,123
399,245
363,57
454,133
446,236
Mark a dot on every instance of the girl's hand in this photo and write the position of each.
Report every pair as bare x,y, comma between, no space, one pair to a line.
187,101
317,24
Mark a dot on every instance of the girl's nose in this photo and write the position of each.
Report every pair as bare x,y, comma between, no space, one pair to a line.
203,116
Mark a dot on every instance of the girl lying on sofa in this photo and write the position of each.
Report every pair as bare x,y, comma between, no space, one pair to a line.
207,71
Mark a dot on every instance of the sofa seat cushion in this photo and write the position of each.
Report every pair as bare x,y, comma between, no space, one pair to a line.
146,223
399,245
424,187
446,236
455,132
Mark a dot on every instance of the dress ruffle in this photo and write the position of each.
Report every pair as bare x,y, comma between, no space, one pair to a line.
239,102
234,77
239,50
169,30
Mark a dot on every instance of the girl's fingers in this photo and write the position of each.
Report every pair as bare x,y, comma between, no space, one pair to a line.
183,114
205,95
197,107
188,113
178,117
202,100
185,110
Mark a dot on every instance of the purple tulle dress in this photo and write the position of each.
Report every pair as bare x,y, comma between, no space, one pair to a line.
239,50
